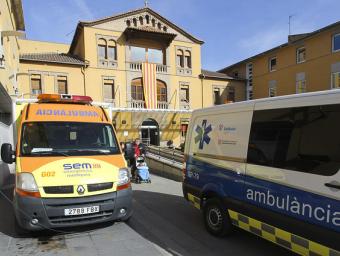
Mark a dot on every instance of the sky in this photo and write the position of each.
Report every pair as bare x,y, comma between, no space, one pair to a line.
232,30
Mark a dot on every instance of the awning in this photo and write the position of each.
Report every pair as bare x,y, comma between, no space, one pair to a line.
149,33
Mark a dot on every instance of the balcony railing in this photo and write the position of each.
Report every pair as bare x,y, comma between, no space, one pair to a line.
142,104
162,105
136,104
137,66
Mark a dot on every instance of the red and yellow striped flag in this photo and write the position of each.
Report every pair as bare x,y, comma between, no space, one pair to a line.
150,85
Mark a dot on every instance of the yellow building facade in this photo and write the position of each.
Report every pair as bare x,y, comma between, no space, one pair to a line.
306,63
105,61
11,28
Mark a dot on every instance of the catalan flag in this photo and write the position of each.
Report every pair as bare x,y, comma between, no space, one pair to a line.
150,84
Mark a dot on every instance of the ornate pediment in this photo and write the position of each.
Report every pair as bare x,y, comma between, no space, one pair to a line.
143,19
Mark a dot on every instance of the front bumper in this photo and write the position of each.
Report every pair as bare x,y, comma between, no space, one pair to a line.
50,211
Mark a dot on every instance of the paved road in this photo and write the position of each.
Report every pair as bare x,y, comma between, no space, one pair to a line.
164,217
163,224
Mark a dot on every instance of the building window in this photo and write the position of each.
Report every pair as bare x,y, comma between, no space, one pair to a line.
155,56
134,21
108,90
62,85
300,55
141,21
102,45
36,86
184,94
231,94
335,80
141,54
161,91
112,50
180,59
217,96
107,49
249,76
336,43
235,74
272,88
301,86
187,59
272,64
137,89
147,18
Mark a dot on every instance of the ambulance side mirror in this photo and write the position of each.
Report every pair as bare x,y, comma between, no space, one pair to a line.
7,153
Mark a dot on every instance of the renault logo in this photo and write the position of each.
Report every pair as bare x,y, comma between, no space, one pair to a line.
80,190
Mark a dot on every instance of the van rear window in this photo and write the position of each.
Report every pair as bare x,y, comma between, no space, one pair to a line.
67,139
304,139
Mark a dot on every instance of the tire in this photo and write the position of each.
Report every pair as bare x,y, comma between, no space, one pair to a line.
216,218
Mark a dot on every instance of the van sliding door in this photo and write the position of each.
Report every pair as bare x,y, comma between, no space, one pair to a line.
292,173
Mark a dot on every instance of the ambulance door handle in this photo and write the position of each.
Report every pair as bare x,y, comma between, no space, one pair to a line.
332,185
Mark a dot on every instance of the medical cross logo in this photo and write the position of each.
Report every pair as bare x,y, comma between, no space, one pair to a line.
202,134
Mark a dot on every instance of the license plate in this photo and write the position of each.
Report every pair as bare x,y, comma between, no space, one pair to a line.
81,211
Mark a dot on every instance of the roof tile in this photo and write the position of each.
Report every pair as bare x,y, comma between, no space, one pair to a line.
52,58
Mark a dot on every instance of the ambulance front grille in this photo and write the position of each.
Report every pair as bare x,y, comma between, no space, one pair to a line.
99,186
59,190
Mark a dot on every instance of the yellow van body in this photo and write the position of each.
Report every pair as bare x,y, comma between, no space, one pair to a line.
70,170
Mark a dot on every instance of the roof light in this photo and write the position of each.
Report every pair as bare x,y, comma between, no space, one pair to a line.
64,98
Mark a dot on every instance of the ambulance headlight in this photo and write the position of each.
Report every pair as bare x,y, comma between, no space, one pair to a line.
26,181
123,176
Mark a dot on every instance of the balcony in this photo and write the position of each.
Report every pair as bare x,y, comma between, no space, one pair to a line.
137,66
142,104
162,105
136,104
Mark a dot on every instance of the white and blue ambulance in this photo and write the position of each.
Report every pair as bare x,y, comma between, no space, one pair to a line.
270,167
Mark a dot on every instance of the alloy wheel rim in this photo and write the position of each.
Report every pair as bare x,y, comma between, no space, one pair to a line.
214,218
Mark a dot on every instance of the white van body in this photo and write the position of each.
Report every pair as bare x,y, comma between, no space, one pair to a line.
272,167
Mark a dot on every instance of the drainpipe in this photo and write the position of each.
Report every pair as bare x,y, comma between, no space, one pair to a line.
202,78
83,72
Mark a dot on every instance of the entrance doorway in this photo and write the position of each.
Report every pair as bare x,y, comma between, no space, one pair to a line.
150,132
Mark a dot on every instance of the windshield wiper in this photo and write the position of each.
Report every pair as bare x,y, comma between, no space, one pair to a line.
103,151
45,153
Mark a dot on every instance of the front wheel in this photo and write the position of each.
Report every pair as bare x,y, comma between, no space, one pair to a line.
216,218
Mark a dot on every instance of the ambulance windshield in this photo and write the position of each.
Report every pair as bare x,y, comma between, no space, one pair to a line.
67,139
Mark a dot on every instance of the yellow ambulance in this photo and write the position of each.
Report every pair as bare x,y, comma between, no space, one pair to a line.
69,167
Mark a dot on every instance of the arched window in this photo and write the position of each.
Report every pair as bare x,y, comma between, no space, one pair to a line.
137,89
153,21
102,45
128,23
112,50
134,22
161,91
165,28
147,18
187,59
180,59
141,21
159,25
